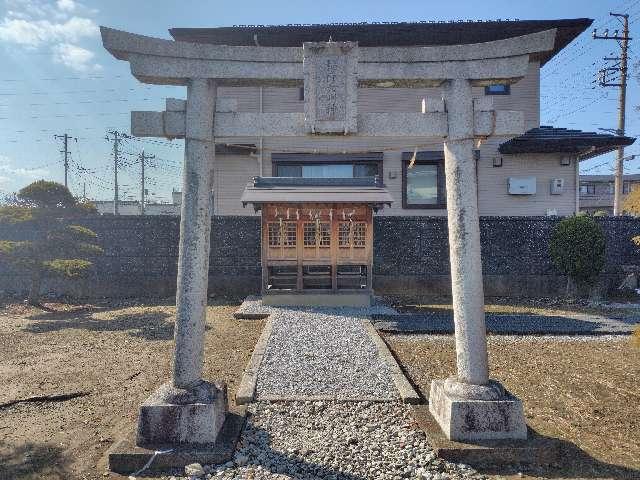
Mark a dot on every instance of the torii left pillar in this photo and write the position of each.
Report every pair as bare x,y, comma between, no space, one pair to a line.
189,410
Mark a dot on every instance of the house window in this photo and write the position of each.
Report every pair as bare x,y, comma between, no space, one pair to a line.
587,189
626,188
423,180
498,89
327,170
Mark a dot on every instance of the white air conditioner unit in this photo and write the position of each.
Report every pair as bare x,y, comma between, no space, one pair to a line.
522,185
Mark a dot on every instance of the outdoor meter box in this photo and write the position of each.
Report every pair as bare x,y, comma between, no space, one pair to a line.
557,185
522,185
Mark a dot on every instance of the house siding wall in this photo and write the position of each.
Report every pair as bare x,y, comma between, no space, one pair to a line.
230,175
233,172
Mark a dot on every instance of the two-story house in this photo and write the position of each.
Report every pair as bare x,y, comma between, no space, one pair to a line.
534,174
596,191
318,127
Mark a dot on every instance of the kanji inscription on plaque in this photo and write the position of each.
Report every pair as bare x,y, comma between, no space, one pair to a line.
330,87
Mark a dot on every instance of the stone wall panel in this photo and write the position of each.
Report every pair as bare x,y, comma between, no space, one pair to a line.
411,255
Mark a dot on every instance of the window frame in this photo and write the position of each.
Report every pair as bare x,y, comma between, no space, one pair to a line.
507,89
275,165
588,186
425,158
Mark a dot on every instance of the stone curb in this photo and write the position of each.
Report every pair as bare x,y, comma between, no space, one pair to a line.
247,389
406,391
240,315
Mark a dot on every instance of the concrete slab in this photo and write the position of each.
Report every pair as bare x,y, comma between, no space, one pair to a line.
125,457
536,449
364,299
509,324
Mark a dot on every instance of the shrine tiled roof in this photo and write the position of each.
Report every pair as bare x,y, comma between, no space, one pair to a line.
367,190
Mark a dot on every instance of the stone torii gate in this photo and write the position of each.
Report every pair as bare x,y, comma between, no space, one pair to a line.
468,406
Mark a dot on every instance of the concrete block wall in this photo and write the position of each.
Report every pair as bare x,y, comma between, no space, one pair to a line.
411,255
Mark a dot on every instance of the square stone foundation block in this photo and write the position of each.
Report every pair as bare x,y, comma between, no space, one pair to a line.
536,449
174,416
467,420
125,457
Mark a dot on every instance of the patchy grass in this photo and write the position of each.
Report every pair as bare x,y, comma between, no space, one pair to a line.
585,392
119,352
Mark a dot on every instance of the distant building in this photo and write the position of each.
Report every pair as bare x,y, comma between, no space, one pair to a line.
596,191
132,207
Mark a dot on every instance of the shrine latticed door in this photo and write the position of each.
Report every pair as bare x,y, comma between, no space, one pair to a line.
317,247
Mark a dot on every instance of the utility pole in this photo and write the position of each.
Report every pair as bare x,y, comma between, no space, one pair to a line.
117,138
605,80
65,139
143,159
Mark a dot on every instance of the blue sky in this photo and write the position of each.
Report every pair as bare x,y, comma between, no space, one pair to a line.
56,78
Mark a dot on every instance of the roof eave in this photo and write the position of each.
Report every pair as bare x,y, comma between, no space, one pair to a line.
378,34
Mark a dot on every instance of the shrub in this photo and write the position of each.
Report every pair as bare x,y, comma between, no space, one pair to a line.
577,249
58,248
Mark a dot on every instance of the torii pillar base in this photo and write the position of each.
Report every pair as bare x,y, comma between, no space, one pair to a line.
176,416
468,413
177,427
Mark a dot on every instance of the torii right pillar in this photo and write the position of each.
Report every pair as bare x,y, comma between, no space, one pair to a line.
469,406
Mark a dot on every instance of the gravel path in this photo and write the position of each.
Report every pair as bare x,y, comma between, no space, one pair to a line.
322,353
335,441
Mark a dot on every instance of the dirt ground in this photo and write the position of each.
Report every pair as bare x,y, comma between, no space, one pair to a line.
116,353
586,393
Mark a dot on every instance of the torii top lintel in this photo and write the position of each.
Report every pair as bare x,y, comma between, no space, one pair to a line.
160,61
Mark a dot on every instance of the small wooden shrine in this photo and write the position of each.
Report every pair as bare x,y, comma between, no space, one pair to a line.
317,238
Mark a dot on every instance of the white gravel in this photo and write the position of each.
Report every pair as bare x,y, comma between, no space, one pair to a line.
253,305
322,353
334,441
